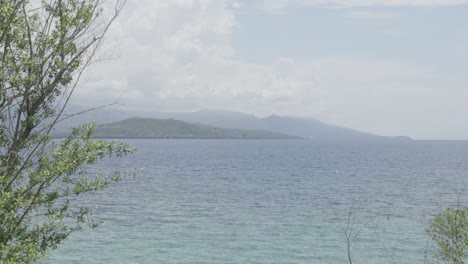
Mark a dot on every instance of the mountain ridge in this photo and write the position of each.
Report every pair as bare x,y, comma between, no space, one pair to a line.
150,128
309,128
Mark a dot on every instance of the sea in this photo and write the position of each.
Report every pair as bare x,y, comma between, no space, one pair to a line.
272,201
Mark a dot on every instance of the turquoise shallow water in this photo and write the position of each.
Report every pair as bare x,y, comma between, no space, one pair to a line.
261,201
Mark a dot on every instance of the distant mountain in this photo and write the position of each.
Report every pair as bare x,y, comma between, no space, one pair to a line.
169,128
299,127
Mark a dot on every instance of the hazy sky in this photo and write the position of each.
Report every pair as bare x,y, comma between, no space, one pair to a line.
390,67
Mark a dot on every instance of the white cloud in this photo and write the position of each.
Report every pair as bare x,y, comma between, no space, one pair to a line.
392,98
276,6
177,56
368,15
349,3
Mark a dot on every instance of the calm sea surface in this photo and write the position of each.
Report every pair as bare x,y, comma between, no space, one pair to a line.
272,201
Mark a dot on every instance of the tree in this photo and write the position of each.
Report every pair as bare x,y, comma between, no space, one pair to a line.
44,48
449,230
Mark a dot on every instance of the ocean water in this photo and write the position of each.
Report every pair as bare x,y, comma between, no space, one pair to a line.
272,201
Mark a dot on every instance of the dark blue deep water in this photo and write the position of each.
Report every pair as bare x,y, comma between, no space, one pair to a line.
272,201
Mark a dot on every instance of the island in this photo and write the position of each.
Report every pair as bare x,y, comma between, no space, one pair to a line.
149,128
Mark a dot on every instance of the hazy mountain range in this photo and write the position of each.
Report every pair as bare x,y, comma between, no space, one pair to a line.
296,127
137,127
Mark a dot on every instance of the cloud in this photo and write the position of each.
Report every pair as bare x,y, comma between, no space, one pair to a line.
368,15
275,6
177,55
391,97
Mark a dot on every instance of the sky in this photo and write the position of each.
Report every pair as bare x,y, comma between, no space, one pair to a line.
389,67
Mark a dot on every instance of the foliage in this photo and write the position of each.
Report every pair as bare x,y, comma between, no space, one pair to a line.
449,230
44,48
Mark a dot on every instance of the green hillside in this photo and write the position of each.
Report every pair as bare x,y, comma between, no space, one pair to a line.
169,128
